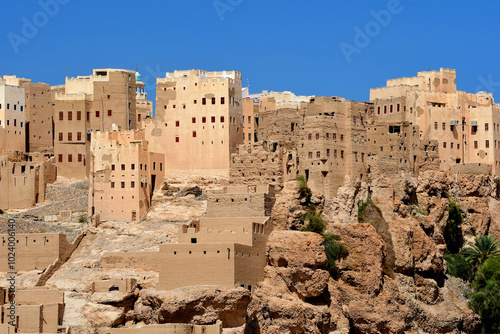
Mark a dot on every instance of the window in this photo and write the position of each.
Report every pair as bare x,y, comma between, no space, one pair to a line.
222,119
444,144
397,107
435,125
486,127
204,101
222,100
70,115
112,184
60,158
391,109
327,152
213,100
88,116
177,123
310,155
334,136
177,139
70,157
61,116
318,154
203,119
309,136
78,136
341,154
249,137
378,110
335,154
123,166
123,185
139,117
113,167
132,166
317,136
132,184
8,106
109,96
193,120
487,143
385,109
173,106
110,112
60,136
195,101
475,144
15,122
70,136
78,115
15,106
194,134
213,119
443,126
341,137
97,114
80,158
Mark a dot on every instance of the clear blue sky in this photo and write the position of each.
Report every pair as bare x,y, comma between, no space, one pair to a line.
278,45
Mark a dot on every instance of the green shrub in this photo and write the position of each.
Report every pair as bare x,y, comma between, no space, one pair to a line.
484,299
458,266
82,218
453,231
304,191
314,222
334,251
44,230
362,207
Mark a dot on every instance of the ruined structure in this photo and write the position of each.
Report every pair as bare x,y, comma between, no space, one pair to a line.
23,183
224,250
12,117
35,251
88,104
197,112
467,126
172,329
38,310
124,174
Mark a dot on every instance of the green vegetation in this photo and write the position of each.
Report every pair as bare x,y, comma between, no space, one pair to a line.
414,209
44,230
484,248
484,298
480,263
362,207
82,218
453,229
314,223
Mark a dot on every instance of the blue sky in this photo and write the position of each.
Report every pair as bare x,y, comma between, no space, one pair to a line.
278,45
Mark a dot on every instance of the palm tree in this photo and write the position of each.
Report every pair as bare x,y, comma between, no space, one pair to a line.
484,247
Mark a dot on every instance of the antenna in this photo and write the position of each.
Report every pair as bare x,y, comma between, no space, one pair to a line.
137,67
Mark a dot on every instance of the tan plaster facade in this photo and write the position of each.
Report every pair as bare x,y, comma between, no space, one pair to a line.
23,183
12,117
88,104
467,126
124,175
198,121
223,250
39,111
35,251
38,310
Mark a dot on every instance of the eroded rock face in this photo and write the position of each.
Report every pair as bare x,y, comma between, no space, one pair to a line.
296,296
201,305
